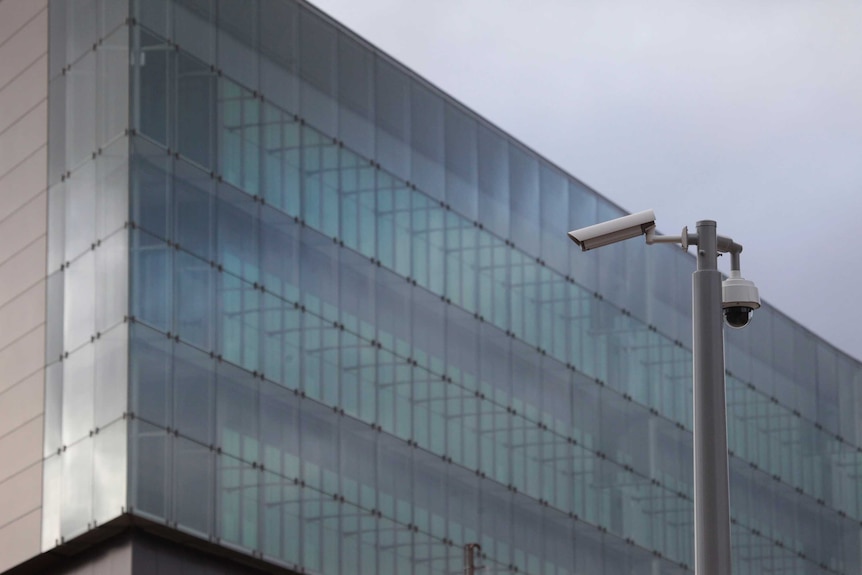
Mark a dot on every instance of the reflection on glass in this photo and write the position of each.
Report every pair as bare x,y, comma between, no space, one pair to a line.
194,476
151,98
52,497
355,95
109,471
112,273
112,97
80,204
317,66
78,394
194,28
237,40
426,140
111,381
76,508
195,107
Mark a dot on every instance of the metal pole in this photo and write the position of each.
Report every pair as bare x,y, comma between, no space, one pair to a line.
711,491
470,551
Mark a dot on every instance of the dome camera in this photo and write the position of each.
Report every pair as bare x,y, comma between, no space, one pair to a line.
737,316
739,298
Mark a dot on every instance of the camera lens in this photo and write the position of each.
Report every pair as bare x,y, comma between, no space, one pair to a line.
737,316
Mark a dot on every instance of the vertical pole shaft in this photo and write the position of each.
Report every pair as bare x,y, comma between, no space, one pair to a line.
711,485
470,550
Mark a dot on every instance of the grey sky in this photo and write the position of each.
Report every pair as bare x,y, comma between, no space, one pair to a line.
748,113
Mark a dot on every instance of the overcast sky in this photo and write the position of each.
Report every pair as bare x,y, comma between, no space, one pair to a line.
747,113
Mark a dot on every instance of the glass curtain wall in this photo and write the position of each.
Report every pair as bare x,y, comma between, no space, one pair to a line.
86,384
357,338
335,315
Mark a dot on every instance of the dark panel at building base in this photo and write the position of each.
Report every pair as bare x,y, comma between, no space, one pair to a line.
132,546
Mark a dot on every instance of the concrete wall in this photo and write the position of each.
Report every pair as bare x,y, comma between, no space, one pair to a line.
23,252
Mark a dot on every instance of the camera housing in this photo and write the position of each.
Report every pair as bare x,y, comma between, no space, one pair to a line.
739,298
613,231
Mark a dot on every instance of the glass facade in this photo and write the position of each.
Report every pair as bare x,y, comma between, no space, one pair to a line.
306,306
86,433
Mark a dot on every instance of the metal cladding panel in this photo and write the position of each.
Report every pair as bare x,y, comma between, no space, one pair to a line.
19,540
23,220
27,178
21,448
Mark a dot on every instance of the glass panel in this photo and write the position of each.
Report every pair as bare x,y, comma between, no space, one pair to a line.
112,278
279,254
79,313
153,14
109,472
59,38
193,389
280,430
53,440
783,353
805,376
554,216
80,203
151,452
112,188
78,394
426,130
320,183
150,374
524,199
237,412
582,212
493,181
112,96
151,97
151,168
848,378
81,28
112,13
194,27
279,58
238,486
57,225
281,516
193,201
81,99
611,260
240,149
238,41
77,505
317,68
193,300
52,498
57,129
195,110
152,281
462,162
359,215
193,485
238,322
54,317
111,376
392,99
355,95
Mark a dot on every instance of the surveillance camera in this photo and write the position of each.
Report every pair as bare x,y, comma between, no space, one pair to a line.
739,298
613,231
